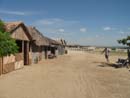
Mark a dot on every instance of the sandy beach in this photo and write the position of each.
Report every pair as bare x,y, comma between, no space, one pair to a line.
75,75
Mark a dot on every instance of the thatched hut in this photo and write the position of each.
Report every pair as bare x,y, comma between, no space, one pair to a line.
20,34
52,48
39,45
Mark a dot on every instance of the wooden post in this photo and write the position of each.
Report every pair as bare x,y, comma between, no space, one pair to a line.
1,64
30,52
41,52
23,52
46,52
38,53
27,53
23,48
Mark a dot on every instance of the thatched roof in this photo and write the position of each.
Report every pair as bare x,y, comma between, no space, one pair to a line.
62,42
40,40
32,33
12,26
53,42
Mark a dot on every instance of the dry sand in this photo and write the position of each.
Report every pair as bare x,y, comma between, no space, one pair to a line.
76,75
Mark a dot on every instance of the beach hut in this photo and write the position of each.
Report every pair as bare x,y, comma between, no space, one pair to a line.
52,50
39,45
19,32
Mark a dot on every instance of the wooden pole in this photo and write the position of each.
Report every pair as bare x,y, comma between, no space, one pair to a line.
27,53
0,66
23,51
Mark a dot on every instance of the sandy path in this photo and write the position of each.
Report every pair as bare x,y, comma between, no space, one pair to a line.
76,75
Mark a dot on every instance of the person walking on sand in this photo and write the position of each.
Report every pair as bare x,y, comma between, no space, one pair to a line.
106,52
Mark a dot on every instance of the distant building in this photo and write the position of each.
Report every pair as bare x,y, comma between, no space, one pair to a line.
91,48
120,50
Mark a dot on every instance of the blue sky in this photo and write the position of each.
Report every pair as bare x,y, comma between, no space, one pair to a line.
86,22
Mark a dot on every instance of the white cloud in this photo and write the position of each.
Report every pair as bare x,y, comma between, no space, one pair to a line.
45,22
83,29
56,22
19,13
12,12
107,28
121,32
61,30
58,27
51,21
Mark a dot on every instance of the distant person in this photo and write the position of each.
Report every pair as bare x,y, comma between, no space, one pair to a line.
106,52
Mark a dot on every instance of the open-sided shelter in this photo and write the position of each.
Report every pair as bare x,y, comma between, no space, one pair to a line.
53,47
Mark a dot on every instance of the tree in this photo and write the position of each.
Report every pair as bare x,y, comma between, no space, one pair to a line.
8,45
2,29
124,41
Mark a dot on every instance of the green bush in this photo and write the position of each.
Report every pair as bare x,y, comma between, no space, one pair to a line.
7,44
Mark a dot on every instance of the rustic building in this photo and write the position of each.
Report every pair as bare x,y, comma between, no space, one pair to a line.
20,34
52,49
39,45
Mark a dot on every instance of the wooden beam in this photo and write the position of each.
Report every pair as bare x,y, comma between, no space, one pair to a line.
27,53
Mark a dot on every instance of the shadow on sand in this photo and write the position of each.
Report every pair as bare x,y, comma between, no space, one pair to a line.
104,64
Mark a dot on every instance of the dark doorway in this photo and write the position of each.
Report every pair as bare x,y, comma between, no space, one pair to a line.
19,44
53,50
26,51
